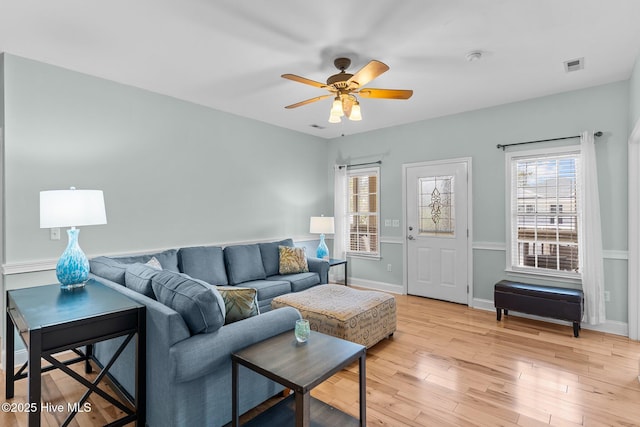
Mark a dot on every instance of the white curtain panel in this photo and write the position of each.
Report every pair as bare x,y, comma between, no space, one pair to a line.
339,211
590,250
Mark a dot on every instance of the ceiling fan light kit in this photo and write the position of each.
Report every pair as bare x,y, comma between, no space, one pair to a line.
344,86
356,115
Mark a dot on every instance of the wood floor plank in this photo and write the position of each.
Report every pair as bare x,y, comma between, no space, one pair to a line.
450,365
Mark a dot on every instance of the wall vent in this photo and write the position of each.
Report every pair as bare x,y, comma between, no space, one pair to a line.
574,65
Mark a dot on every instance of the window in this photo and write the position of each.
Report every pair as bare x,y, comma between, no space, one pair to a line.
363,209
544,212
555,209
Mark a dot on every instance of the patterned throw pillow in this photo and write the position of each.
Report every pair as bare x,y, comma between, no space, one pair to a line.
240,303
292,260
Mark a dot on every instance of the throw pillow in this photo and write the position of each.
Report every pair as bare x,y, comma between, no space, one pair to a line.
240,303
200,305
154,263
292,260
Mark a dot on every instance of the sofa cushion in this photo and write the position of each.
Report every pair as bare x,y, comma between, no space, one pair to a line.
271,256
292,260
200,305
168,259
239,302
268,289
299,282
204,263
243,263
138,276
108,268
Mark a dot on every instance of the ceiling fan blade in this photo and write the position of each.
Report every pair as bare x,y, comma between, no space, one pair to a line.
367,73
385,93
304,80
308,101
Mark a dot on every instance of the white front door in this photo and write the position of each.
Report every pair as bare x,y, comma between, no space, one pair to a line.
437,211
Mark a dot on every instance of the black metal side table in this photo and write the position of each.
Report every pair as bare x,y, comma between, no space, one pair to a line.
334,262
51,320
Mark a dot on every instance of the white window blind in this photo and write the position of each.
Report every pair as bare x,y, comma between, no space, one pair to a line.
544,212
363,207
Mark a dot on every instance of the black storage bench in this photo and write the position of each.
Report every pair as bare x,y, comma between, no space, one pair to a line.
546,301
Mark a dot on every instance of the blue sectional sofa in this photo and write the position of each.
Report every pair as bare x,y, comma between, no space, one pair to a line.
188,363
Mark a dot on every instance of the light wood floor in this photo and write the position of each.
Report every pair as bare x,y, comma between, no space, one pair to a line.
449,365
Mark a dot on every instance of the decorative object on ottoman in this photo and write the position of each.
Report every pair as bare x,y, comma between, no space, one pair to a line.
363,317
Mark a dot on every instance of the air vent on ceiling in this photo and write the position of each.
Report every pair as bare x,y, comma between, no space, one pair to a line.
574,65
316,126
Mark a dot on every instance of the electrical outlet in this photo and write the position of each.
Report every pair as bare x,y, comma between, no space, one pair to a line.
54,233
396,223
607,296
388,267
387,223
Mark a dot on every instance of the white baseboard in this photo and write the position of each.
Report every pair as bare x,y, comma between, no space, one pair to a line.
380,286
611,326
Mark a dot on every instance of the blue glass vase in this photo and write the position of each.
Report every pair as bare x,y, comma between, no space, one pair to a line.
73,266
323,250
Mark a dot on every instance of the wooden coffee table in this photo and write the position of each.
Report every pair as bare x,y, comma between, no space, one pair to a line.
300,367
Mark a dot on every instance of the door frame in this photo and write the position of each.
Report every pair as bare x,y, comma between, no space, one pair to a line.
633,259
405,166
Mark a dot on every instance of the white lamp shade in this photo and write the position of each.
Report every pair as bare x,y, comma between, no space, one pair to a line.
71,208
321,225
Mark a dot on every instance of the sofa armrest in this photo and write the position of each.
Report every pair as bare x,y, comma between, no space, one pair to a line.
320,266
204,353
164,325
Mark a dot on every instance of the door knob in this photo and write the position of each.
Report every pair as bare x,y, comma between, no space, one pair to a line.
410,228
410,237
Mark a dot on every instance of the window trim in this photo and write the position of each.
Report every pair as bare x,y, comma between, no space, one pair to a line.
533,271
363,171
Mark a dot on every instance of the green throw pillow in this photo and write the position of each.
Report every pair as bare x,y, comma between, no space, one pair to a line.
292,260
240,303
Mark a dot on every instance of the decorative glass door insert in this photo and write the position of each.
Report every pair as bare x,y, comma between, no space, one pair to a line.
436,205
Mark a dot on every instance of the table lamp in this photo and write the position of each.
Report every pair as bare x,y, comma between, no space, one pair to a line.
72,208
321,225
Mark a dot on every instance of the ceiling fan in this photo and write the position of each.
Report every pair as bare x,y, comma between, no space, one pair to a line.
344,86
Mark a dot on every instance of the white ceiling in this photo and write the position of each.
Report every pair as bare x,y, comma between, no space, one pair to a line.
229,54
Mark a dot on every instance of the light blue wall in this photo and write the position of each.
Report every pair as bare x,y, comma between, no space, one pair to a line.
475,134
173,173
176,174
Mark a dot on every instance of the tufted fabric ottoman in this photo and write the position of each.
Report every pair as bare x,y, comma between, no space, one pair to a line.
363,317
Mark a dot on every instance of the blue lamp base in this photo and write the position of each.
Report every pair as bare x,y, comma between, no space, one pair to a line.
323,250
72,269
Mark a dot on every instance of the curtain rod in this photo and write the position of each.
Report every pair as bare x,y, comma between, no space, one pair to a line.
503,146
379,162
